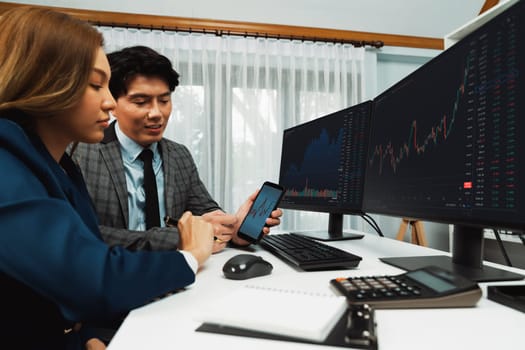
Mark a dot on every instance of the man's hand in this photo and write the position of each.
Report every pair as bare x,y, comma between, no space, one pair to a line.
223,228
196,236
273,220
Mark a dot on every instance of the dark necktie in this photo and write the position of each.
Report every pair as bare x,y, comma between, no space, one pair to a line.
150,188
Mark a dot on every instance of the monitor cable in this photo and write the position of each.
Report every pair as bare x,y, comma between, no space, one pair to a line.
370,220
500,243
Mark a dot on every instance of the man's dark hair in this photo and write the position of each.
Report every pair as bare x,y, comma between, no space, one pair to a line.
129,62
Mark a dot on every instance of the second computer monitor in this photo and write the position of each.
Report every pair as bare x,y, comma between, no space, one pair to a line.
446,144
322,167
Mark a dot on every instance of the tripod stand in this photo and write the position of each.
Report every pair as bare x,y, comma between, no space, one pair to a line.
417,230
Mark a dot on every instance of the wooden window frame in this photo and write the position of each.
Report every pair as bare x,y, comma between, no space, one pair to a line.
221,27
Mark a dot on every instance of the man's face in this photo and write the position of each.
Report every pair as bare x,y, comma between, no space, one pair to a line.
144,111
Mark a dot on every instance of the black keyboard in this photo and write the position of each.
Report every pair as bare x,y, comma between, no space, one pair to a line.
307,253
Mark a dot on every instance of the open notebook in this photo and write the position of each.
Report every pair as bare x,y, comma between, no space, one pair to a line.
290,313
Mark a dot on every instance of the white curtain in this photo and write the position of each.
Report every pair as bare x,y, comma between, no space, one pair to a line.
236,96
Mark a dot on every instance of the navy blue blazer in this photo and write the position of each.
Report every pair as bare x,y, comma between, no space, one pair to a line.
54,267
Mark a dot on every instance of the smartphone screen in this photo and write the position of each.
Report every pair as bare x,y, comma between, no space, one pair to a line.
266,201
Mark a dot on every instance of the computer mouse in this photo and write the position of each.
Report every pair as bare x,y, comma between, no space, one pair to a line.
244,266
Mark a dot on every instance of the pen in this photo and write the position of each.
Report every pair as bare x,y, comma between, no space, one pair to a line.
171,222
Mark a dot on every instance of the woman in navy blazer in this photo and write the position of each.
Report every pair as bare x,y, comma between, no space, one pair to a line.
55,270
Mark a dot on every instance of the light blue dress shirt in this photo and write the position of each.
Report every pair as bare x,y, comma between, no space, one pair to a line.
135,179
134,170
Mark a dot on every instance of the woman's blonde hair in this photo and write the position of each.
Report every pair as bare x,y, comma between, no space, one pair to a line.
46,58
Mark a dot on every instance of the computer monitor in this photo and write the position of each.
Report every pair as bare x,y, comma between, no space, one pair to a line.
322,167
447,144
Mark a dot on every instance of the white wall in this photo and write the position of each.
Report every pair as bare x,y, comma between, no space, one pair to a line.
428,18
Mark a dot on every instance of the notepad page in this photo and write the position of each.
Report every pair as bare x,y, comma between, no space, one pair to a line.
277,311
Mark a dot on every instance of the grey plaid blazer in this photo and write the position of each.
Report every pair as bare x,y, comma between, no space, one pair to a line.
103,170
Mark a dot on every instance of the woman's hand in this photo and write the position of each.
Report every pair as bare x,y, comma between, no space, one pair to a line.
196,236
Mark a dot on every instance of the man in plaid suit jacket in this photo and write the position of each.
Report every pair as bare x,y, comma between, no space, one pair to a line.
142,82
103,170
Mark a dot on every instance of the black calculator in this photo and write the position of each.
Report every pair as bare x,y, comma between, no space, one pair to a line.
428,287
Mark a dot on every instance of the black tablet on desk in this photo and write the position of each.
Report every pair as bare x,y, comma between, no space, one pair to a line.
509,295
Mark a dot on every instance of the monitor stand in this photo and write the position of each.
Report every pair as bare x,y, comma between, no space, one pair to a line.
467,259
335,231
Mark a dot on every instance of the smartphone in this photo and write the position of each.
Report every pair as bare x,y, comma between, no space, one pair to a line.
266,201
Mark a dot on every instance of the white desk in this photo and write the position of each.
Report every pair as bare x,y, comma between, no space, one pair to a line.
169,323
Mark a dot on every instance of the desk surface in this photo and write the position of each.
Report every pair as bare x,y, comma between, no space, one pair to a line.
169,323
